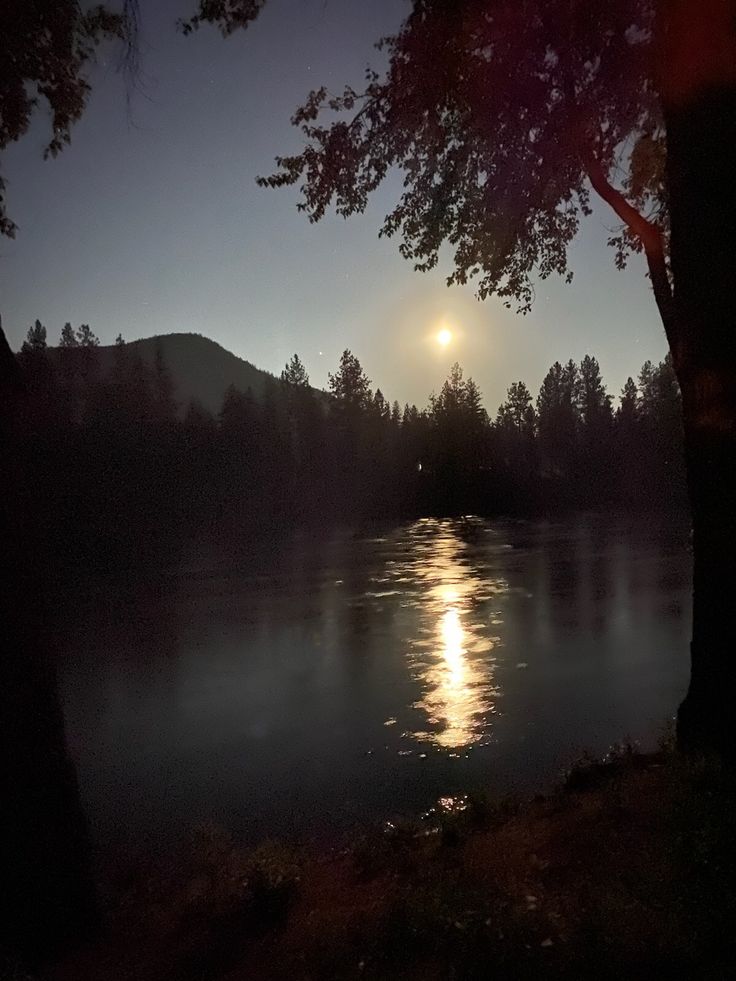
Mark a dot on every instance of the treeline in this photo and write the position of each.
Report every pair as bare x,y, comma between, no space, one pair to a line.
115,468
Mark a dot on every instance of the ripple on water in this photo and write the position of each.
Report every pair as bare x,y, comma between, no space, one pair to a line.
450,650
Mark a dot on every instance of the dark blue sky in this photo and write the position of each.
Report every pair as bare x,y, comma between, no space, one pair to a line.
154,224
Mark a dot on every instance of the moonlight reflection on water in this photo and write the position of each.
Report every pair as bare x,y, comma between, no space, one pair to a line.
451,654
337,677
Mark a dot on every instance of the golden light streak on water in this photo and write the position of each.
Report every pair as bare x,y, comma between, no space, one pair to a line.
451,650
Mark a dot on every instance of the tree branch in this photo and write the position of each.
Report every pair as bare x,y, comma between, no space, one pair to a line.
371,102
651,239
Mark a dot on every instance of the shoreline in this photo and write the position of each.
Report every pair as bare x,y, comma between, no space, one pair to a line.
622,871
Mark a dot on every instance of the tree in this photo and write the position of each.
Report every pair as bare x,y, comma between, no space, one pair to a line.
515,412
47,46
459,429
660,420
36,339
88,342
44,51
595,404
596,412
504,117
163,387
295,373
596,432
515,431
39,376
68,338
305,423
452,395
659,395
351,402
628,409
381,407
350,385
86,337
555,79
647,389
558,418
474,410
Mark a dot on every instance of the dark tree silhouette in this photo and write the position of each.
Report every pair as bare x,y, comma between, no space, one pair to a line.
47,46
517,413
503,117
459,431
68,336
350,385
113,449
86,336
627,412
596,428
516,440
36,339
295,373
351,398
595,404
558,419
47,893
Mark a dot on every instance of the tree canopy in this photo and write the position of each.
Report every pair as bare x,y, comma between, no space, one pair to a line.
295,373
349,384
47,47
501,117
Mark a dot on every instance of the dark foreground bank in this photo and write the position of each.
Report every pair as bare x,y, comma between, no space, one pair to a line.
625,872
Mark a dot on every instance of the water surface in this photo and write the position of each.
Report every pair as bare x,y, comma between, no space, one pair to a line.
335,678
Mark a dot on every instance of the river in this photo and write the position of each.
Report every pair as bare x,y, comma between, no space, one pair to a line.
307,686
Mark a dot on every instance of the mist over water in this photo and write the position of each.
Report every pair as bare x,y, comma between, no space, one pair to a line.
337,677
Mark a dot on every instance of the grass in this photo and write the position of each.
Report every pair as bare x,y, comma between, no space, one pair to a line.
625,871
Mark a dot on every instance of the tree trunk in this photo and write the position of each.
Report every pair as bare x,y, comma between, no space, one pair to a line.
701,134
705,718
47,895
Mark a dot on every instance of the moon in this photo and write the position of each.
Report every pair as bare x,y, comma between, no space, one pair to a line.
444,337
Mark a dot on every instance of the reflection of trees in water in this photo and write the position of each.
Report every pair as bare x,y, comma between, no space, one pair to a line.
451,649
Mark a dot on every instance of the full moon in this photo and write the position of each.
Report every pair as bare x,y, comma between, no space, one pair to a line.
444,337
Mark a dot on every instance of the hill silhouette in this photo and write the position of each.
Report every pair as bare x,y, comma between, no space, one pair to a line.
201,369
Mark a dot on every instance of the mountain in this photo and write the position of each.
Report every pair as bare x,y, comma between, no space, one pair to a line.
200,369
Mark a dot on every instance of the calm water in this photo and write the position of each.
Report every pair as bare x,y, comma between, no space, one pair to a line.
346,677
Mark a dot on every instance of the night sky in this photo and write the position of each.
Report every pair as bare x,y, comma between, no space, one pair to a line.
151,222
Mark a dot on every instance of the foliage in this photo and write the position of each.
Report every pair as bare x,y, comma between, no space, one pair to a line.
228,15
86,337
631,875
629,405
558,415
350,385
116,466
47,46
517,413
36,339
68,337
499,116
295,373
45,50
